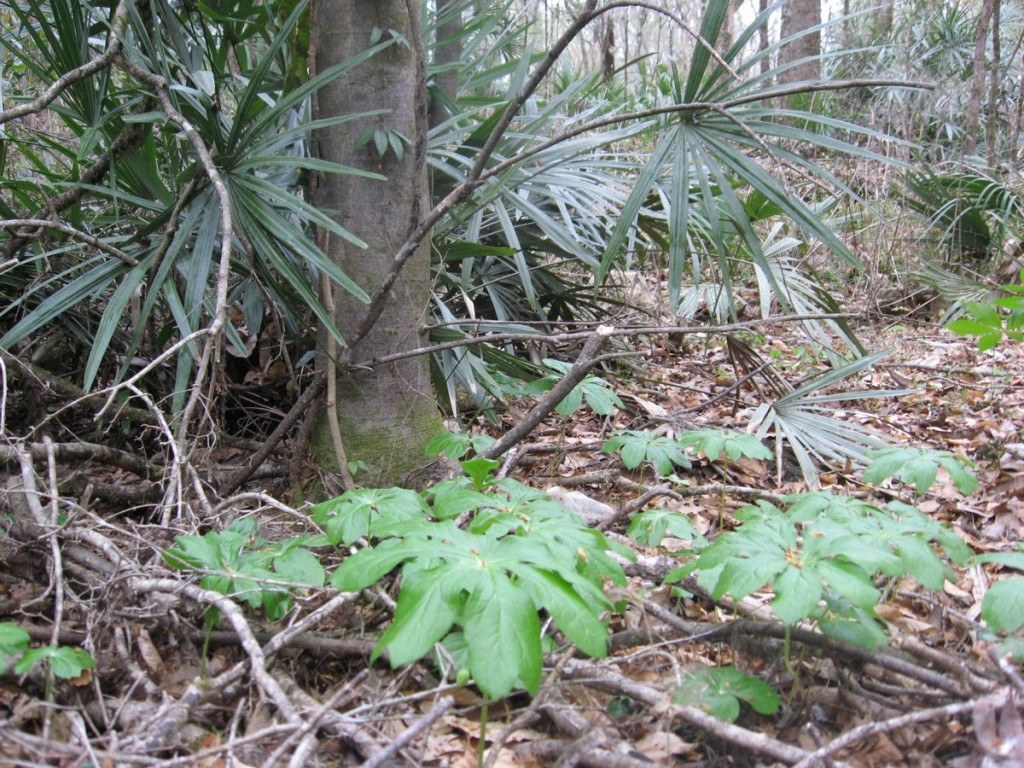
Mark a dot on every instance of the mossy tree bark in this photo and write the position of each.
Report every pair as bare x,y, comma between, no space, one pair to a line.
387,413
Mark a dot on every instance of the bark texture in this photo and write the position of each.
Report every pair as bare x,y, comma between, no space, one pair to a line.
386,414
798,15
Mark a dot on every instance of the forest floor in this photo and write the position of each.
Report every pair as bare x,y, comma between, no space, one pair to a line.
302,692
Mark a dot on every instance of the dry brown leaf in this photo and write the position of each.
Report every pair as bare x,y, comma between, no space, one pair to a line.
150,655
660,746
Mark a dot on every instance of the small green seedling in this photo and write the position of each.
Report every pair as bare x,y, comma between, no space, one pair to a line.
65,662
713,442
455,445
651,526
1002,608
239,563
636,447
719,691
919,467
597,392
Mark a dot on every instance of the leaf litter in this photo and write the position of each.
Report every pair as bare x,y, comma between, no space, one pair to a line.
231,691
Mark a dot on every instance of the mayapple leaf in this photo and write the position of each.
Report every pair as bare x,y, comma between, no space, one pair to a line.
595,390
13,641
849,580
300,566
455,445
1002,608
797,593
918,467
480,471
571,613
356,513
502,630
652,525
66,663
736,445
427,608
719,691
636,447
368,566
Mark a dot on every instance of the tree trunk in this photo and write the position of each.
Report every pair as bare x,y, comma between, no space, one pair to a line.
973,112
995,86
447,53
388,413
762,37
731,28
798,15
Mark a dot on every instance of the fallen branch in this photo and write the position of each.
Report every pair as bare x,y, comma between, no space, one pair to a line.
441,706
235,481
85,452
861,732
555,395
605,679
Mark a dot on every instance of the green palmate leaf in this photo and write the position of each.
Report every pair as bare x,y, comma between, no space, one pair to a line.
572,614
66,663
740,578
797,593
827,548
652,525
919,467
480,471
1009,559
355,513
920,560
13,642
594,390
1002,608
300,566
502,630
719,691
849,580
427,607
712,442
368,566
636,447
456,496
521,553
239,563
455,445
862,630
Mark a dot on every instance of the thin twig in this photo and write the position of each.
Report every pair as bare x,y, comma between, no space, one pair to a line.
628,330
71,232
436,712
330,358
861,732
605,679
235,481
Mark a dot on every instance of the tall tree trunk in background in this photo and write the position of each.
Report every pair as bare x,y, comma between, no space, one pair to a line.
731,27
447,52
995,87
798,15
386,414
973,113
608,47
762,36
